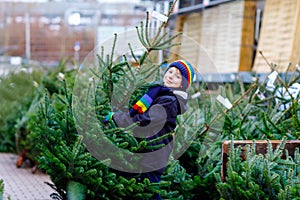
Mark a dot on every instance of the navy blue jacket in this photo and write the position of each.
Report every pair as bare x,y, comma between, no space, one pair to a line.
158,120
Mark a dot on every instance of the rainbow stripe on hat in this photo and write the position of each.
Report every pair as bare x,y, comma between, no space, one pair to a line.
186,70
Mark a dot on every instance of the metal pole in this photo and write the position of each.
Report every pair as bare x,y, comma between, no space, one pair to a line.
27,36
96,25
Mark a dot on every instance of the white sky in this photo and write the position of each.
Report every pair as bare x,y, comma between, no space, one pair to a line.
100,1
37,1
107,1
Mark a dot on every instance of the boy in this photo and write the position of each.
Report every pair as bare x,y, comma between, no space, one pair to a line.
156,113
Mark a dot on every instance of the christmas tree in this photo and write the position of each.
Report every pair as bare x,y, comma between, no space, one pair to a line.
71,136
261,176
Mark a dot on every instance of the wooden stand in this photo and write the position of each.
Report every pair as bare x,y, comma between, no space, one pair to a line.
261,148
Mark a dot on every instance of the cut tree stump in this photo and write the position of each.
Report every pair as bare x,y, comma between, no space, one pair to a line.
261,148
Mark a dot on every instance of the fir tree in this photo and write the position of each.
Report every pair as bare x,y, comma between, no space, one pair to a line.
67,126
261,176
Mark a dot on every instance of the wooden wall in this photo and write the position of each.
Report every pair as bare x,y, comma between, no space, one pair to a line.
213,39
191,38
280,36
225,37
221,35
247,37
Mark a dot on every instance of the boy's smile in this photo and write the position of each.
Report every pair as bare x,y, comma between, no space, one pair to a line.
173,78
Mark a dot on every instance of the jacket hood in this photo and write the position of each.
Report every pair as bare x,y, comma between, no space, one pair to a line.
182,98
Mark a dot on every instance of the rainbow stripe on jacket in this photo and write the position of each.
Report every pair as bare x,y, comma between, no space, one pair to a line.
143,104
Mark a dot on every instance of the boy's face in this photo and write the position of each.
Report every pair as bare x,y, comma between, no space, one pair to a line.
173,78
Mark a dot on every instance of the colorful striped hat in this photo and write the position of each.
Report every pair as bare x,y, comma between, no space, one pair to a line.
186,70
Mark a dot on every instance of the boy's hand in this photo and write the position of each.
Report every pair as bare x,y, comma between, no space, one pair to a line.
108,117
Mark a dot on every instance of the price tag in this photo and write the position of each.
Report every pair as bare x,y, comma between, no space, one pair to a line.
224,101
206,2
159,16
260,95
298,67
196,95
272,77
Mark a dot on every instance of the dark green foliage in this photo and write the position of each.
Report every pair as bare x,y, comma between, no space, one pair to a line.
1,188
261,176
66,129
253,118
21,90
52,80
18,89
181,182
76,191
27,123
64,157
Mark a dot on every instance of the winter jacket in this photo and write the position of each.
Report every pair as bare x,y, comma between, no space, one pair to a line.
158,120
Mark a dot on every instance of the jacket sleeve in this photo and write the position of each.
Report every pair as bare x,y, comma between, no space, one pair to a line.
164,109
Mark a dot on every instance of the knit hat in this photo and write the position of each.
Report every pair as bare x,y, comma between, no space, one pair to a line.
186,70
